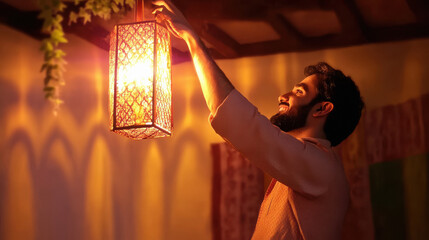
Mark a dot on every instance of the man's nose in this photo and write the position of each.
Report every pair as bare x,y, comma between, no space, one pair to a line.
284,98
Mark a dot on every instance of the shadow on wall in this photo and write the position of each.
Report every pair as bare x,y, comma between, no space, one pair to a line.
69,177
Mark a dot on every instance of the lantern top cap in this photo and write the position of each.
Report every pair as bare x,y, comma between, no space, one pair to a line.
131,23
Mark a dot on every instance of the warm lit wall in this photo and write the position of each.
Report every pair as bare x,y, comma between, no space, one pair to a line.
68,177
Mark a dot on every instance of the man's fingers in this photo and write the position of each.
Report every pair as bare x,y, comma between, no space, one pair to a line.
162,3
166,14
157,10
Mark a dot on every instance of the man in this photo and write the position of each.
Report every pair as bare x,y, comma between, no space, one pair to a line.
309,194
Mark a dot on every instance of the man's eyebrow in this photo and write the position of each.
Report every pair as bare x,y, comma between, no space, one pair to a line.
303,85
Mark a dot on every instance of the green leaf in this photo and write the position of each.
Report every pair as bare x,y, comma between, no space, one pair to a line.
58,53
47,24
49,46
45,13
61,63
52,15
61,7
49,94
86,18
58,101
49,71
46,46
89,5
115,7
57,25
48,89
43,67
130,3
59,18
104,13
57,33
58,36
46,66
48,56
73,17
81,12
47,79
63,40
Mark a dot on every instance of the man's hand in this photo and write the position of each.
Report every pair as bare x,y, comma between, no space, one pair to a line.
165,11
214,83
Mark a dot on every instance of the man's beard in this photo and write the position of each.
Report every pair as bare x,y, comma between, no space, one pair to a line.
293,118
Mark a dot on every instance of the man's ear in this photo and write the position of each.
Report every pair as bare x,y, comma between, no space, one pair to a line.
323,109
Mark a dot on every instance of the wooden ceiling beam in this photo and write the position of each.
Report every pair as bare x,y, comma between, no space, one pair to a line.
333,41
354,29
310,44
29,24
265,48
221,41
26,22
224,44
420,8
92,33
212,10
352,23
397,33
288,33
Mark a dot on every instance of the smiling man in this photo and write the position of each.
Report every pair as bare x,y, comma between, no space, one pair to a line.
288,119
309,195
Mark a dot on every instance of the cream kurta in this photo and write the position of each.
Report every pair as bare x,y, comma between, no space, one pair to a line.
309,197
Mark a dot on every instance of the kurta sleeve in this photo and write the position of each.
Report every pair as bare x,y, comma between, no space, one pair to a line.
303,166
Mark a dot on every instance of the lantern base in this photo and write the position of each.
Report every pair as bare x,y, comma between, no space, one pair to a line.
143,132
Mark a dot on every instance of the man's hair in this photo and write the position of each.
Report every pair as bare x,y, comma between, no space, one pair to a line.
342,92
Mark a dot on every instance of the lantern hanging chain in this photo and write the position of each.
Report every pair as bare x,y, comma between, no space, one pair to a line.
142,2
139,12
134,12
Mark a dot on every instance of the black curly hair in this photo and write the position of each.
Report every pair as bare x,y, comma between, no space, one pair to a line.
342,92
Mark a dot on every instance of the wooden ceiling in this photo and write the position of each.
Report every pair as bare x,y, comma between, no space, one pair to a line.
240,28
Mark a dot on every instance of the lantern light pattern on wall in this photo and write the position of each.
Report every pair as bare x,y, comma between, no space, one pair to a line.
140,80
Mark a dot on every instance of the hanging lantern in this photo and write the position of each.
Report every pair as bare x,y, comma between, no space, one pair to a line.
140,80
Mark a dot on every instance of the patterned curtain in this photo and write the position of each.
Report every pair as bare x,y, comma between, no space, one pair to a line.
397,144
238,189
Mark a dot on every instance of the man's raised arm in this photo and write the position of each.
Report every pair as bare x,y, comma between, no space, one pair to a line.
282,156
214,83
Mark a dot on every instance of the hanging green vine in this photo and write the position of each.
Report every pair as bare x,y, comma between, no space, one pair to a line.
52,13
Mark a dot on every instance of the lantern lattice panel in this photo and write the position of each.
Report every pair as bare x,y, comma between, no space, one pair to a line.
140,80
163,88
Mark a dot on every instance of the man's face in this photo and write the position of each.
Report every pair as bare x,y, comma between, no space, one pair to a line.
295,106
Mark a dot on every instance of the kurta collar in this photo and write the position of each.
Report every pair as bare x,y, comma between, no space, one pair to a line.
324,142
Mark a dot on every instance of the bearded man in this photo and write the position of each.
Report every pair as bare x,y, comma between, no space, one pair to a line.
309,195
